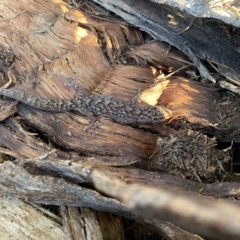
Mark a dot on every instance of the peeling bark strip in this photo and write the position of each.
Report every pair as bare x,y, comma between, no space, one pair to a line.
226,11
204,40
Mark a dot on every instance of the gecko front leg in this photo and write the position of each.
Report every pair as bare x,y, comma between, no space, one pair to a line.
93,124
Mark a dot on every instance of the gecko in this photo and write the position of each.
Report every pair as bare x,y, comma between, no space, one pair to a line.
119,110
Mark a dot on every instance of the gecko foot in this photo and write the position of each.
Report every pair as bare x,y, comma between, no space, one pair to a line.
92,126
136,96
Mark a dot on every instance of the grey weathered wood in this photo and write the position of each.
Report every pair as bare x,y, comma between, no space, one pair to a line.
226,11
20,220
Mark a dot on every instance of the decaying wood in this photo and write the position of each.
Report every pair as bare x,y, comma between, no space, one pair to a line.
191,99
115,223
205,40
80,224
79,170
160,204
30,221
52,190
56,155
7,110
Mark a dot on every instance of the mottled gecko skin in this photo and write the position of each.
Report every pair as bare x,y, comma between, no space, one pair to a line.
117,109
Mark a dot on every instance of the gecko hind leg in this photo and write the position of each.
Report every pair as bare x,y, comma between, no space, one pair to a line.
92,127
93,124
